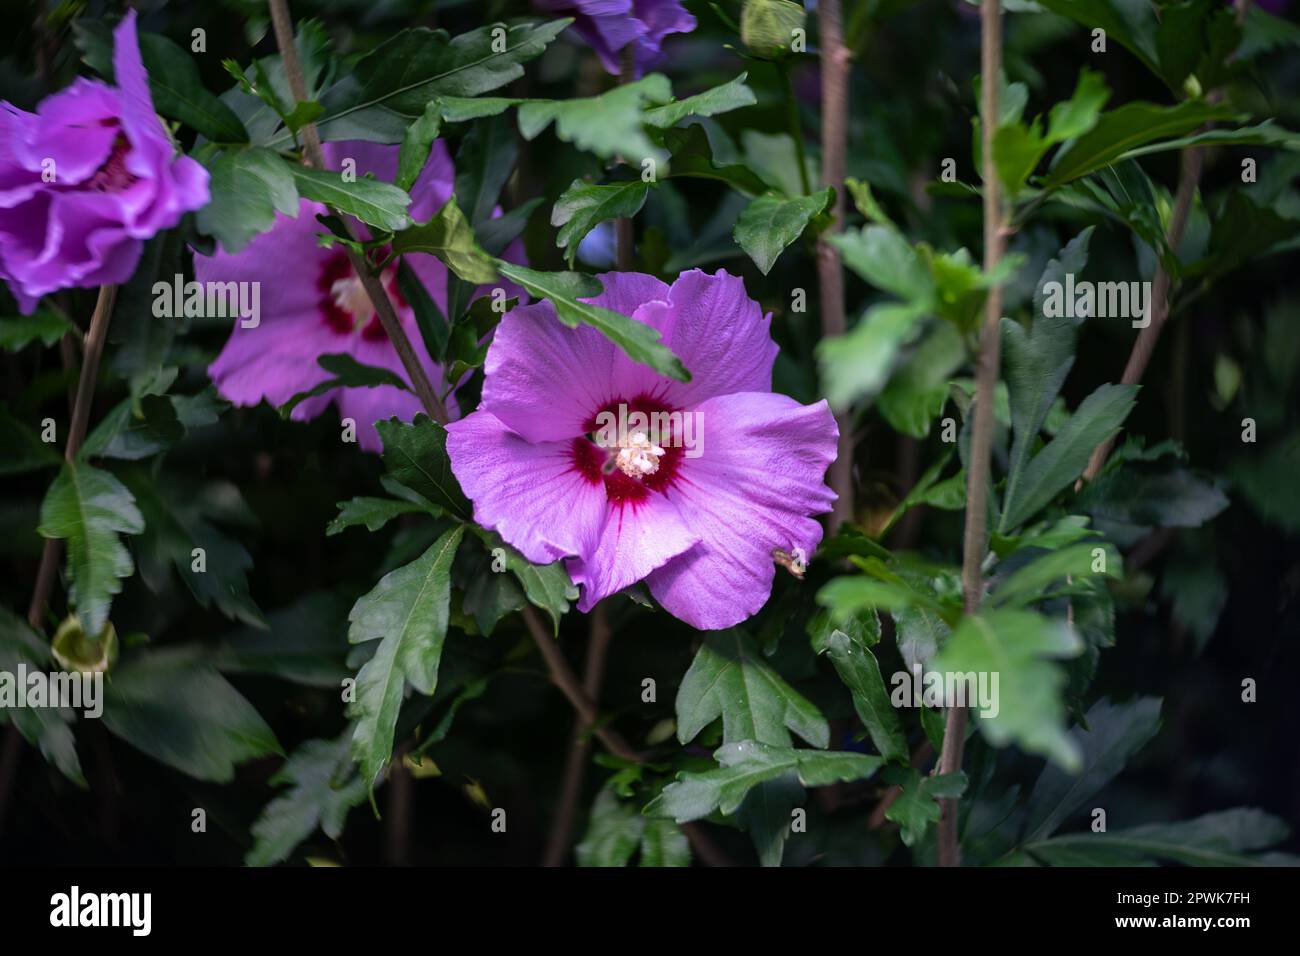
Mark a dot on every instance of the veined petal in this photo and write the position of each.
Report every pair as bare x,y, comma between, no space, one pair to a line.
531,493
754,489
637,537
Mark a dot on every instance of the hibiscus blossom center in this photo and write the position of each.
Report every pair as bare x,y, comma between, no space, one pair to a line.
638,456
113,176
344,303
350,296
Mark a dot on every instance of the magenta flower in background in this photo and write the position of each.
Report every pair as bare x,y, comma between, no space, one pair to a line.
313,304
86,179
696,510
610,25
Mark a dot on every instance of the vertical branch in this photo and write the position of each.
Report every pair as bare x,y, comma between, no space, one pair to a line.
593,676
1189,177
49,565
375,290
986,376
834,58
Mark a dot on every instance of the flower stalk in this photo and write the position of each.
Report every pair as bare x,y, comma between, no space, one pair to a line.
975,543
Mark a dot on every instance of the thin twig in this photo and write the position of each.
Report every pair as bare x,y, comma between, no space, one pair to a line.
986,377
575,769
374,288
1192,161
834,58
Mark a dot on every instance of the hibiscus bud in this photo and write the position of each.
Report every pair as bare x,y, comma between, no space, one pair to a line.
769,28
74,650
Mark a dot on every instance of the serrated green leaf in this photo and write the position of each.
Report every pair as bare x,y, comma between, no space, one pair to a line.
375,203
415,454
183,713
449,236
89,508
323,787
772,221
248,187
407,612
744,765
393,84
730,679
583,206
1018,647
857,667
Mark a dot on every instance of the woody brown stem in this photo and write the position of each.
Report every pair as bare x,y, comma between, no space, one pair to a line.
986,376
374,288
834,57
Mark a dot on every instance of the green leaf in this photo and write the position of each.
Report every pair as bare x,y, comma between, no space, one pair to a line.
134,430
183,713
772,221
179,518
434,330
24,450
1126,128
20,331
89,508
1215,839
584,205
248,187
566,290
407,612
719,99
858,365
323,788
883,257
374,513
415,454
1017,647
747,763
375,203
1027,583
484,162
917,806
547,586
49,728
857,667
345,372
729,679
417,141
1135,500
692,156
304,642
614,831
1131,23
608,125
392,85
663,844
449,236
178,91
1113,734
1062,460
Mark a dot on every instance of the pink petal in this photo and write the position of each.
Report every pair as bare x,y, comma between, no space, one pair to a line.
754,488
637,538
530,493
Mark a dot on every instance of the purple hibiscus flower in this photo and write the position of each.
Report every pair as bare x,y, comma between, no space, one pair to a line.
694,496
86,179
610,25
313,304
